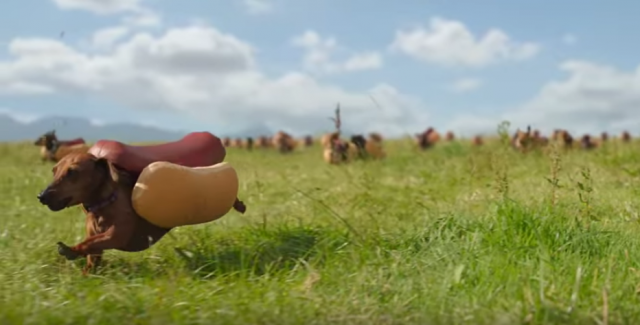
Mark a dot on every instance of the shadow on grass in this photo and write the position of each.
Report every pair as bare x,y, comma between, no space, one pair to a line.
251,251
260,251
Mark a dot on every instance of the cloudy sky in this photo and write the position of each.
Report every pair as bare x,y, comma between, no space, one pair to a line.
395,66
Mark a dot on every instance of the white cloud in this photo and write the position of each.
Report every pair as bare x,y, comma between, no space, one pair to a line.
143,17
319,53
569,39
257,7
105,38
137,14
103,7
25,88
364,61
451,43
466,85
593,98
207,74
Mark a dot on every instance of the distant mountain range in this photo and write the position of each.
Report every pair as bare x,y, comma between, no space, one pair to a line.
13,130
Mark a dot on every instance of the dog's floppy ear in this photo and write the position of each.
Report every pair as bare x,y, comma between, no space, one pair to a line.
107,167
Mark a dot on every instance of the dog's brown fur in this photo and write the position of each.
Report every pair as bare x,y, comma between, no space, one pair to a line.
427,139
523,140
375,137
477,141
104,192
564,138
539,140
450,136
626,137
284,142
82,179
263,142
587,143
327,139
307,141
236,143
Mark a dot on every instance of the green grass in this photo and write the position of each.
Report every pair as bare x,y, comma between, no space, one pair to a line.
455,235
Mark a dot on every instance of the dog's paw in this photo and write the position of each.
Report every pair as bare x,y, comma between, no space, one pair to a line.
67,252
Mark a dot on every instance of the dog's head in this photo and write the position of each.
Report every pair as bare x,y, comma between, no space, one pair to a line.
359,141
78,178
47,137
375,137
340,150
586,142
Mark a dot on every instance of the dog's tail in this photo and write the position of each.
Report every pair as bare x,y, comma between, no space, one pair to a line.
239,206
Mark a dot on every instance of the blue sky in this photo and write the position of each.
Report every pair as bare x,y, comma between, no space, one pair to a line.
594,32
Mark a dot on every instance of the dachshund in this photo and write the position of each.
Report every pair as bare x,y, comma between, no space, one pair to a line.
104,192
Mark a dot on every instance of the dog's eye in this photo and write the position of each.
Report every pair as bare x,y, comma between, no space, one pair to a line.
71,172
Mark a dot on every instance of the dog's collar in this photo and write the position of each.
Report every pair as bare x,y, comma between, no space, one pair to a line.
93,208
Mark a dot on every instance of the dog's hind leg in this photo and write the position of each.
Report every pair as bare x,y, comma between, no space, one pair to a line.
93,262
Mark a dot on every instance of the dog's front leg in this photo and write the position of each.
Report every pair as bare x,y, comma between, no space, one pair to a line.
96,244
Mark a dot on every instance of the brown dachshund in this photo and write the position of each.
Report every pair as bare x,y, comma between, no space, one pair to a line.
477,141
626,137
284,142
105,196
427,139
450,136
104,192
587,143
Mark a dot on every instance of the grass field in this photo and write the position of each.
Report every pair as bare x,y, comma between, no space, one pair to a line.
455,235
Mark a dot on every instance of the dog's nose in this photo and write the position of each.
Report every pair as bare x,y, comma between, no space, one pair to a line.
44,196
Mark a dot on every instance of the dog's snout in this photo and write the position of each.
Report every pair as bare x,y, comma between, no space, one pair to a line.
44,196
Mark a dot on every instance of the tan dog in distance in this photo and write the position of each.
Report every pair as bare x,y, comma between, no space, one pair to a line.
284,142
337,151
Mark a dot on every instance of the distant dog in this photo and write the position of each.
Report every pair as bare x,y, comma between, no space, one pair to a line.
50,146
477,141
564,138
307,141
263,142
450,136
626,137
105,195
523,141
284,142
587,143
368,148
248,143
339,151
427,139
